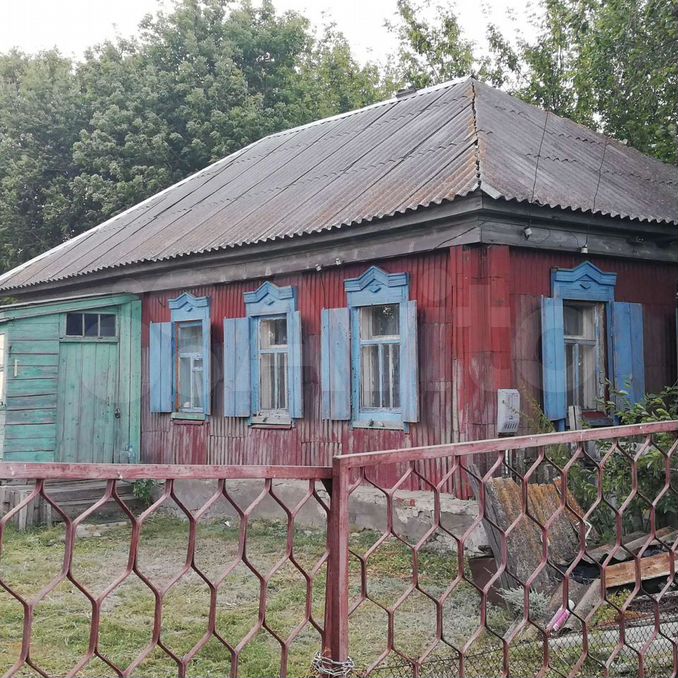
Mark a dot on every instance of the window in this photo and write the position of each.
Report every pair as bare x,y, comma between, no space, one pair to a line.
588,340
585,354
273,364
91,325
369,367
3,367
190,376
179,362
380,357
262,359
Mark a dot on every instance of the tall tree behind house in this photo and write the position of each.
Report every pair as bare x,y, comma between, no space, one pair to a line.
80,142
610,64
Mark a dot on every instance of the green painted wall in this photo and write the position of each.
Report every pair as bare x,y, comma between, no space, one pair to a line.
47,394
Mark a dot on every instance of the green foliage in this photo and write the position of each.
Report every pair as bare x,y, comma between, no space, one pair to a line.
608,65
430,53
80,142
143,491
616,480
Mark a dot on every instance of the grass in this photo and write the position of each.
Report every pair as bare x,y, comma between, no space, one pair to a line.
30,560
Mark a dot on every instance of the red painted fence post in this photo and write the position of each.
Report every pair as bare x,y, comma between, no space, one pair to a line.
336,601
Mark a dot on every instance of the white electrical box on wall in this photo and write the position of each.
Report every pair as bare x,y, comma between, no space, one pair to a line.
508,410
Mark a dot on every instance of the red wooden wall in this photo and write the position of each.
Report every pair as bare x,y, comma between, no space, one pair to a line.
651,284
311,441
479,328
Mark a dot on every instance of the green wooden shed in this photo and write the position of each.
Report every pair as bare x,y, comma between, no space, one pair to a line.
70,380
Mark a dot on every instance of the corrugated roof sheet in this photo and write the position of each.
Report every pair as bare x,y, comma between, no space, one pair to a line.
390,158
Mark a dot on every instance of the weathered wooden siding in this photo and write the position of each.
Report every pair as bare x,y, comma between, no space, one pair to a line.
311,441
31,396
29,421
651,284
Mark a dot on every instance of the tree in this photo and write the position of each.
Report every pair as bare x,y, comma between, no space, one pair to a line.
41,114
82,142
608,64
430,52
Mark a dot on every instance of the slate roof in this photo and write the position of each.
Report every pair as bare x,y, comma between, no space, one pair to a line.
390,158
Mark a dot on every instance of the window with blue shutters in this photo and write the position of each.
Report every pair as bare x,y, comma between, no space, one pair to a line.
263,359
589,341
180,352
369,364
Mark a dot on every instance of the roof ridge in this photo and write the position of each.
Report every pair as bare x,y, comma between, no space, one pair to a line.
476,136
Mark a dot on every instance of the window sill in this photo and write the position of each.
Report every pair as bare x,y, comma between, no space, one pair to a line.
188,418
270,421
97,340
381,425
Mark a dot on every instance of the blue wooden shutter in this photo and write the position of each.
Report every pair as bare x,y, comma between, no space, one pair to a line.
237,380
628,355
296,367
335,364
409,369
161,367
207,364
553,359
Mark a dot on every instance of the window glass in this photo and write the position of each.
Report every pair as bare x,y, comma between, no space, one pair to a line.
107,325
273,364
74,324
190,374
190,338
380,357
379,321
91,321
585,354
93,325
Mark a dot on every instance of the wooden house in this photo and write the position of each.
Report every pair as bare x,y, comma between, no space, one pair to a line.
363,282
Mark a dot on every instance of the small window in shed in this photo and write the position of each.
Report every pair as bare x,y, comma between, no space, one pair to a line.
90,325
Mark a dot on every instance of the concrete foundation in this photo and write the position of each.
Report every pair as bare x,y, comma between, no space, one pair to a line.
413,512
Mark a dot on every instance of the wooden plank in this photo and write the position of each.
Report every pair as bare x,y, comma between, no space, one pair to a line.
630,542
30,402
68,401
29,430
45,309
25,371
650,568
26,456
26,330
45,444
85,406
133,378
29,471
45,415
35,347
30,387
37,360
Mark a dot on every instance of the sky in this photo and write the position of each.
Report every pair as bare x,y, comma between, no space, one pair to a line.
74,25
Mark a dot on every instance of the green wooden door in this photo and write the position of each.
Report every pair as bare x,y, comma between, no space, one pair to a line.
87,402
